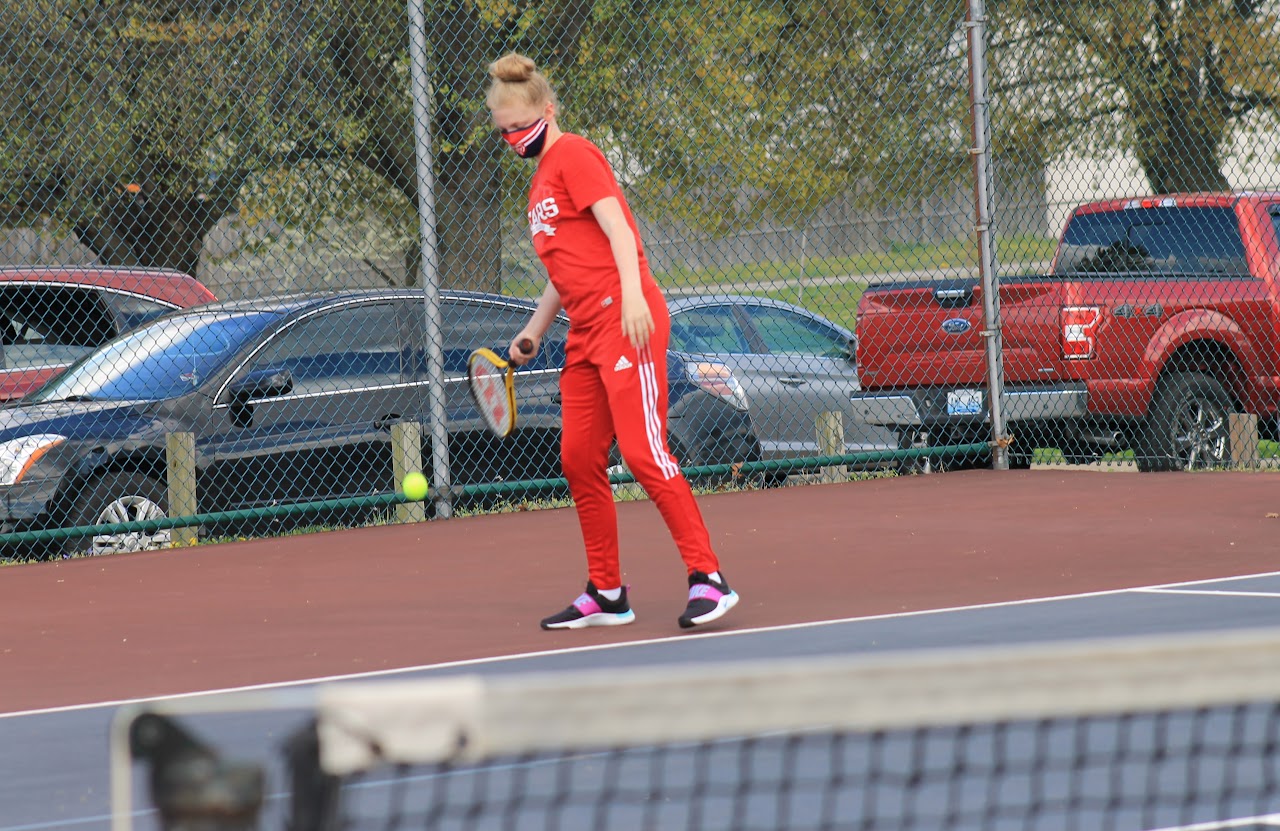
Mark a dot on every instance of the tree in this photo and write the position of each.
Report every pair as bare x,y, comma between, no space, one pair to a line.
141,126
1174,81
110,120
717,112
790,102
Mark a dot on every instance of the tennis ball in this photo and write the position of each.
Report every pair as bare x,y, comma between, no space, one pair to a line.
414,486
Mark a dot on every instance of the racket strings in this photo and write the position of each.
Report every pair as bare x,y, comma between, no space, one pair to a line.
493,391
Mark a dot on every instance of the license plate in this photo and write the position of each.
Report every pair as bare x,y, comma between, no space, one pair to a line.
964,402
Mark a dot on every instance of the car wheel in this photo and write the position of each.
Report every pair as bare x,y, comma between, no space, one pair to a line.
119,497
1186,427
760,478
721,481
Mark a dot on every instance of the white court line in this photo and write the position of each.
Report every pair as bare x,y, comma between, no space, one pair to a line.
1240,822
1217,592
71,823
303,682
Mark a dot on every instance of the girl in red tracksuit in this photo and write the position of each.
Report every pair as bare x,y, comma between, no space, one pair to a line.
614,382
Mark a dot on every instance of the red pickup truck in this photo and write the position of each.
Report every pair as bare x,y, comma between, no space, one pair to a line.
1160,316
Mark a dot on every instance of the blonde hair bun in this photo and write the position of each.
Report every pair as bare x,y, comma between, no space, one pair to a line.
513,68
515,79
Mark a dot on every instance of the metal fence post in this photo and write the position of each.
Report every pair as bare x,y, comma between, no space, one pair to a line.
981,152
423,112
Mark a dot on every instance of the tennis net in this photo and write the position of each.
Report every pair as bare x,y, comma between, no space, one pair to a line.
1149,733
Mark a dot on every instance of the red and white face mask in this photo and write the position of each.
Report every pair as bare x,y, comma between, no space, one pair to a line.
527,141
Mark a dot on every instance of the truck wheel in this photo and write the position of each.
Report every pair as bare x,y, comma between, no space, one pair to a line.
1020,461
985,461
909,439
1186,427
1078,453
119,497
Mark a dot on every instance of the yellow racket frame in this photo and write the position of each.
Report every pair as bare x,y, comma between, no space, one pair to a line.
500,419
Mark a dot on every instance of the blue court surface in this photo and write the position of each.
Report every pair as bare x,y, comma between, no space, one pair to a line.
55,762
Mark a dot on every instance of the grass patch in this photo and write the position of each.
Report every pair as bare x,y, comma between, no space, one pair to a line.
842,279
1267,450
895,257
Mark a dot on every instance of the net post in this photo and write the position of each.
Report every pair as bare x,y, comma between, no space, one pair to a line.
314,795
191,787
120,762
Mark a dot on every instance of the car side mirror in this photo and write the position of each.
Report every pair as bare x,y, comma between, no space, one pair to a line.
267,382
850,351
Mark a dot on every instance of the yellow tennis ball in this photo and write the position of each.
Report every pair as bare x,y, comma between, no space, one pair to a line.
414,486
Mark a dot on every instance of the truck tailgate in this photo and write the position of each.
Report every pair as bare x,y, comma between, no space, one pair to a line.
930,333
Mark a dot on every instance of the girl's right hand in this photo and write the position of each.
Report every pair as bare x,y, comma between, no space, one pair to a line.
523,348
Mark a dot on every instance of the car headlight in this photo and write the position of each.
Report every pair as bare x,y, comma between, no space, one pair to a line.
716,378
18,455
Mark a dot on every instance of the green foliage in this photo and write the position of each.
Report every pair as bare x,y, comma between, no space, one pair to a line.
1174,83
722,114
717,113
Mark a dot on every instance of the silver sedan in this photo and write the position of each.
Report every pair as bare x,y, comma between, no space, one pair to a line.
793,364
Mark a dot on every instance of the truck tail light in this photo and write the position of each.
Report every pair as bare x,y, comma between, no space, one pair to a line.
1079,324
1151,202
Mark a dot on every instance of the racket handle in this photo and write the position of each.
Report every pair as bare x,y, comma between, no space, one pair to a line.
525,346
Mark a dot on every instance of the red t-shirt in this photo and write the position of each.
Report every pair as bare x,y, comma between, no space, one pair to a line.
571,177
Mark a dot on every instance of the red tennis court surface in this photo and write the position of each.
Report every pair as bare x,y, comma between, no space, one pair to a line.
371,599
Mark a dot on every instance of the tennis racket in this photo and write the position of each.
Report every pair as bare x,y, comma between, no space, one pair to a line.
493,388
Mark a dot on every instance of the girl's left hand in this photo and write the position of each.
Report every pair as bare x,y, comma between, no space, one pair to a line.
637,321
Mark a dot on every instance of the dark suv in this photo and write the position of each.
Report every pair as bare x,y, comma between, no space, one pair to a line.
293,399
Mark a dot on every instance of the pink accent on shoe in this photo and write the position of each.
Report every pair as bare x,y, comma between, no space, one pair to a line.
587,605
701,590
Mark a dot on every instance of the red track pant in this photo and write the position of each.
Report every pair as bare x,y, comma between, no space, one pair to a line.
608,389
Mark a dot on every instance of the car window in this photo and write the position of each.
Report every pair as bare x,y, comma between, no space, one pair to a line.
344,348
132,310
551,354
786,333
470,325
51,325
163,360
708,329
1162,240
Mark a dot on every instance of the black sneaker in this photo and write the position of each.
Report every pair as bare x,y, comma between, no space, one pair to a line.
592,609
708,600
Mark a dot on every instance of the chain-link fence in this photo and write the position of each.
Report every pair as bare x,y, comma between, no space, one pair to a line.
321,186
